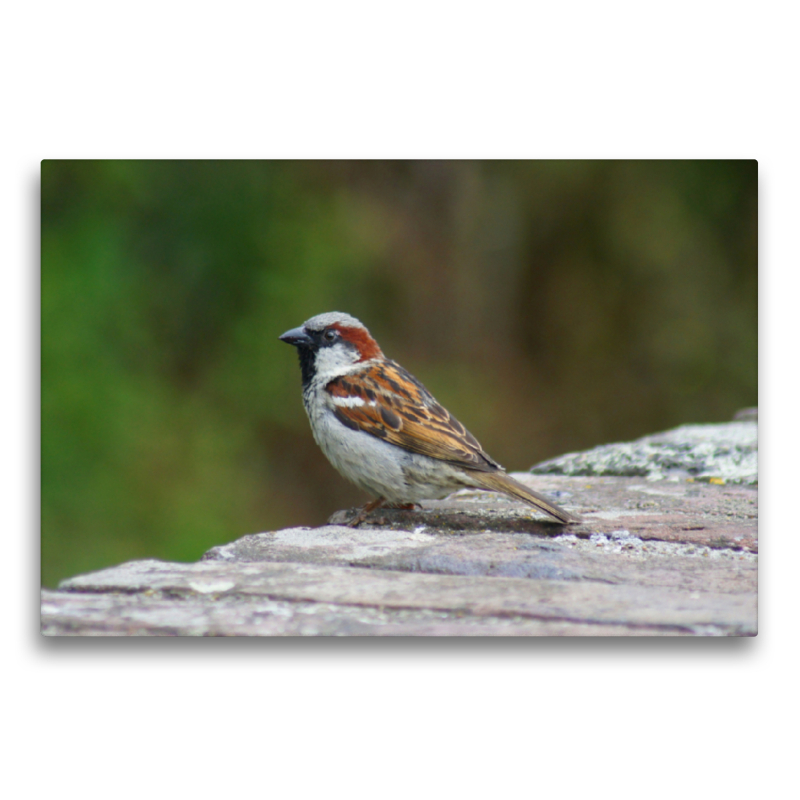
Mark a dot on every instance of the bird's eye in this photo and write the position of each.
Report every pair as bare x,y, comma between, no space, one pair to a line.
329,335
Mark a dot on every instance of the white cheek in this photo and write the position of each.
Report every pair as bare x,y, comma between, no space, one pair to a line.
331,360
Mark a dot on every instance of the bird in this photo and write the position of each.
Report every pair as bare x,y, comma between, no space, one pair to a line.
383,430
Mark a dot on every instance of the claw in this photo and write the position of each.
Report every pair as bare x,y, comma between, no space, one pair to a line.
365,511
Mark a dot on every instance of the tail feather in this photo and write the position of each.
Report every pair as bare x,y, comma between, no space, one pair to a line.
501,482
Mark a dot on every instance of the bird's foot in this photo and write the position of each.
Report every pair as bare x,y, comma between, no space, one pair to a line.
365,511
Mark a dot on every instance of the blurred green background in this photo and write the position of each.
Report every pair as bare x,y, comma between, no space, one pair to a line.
551,306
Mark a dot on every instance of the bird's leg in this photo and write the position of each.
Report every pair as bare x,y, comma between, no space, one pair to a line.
365,511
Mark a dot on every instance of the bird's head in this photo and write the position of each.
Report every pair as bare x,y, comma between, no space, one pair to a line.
330,345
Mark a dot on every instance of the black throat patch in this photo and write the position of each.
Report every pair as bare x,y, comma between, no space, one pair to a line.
307,357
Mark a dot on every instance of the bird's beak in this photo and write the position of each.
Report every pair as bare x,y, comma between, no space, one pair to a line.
298,337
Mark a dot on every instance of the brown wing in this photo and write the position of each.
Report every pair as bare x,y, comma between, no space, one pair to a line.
387,402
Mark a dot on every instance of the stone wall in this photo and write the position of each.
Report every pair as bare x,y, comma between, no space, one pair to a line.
668,546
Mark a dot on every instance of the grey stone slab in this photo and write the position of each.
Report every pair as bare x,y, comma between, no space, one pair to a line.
159,614
725,451
671,551
620,559
586,602
683,512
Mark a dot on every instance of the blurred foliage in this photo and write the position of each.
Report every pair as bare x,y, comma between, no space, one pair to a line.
552,306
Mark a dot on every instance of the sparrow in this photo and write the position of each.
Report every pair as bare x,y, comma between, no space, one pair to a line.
383,430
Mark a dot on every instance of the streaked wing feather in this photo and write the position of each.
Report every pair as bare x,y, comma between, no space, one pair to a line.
397,408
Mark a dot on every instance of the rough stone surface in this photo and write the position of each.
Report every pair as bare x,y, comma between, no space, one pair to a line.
676,556
726,452
585,602
703,514
158,614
